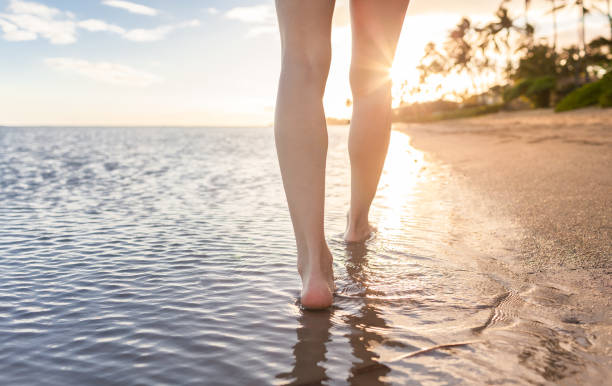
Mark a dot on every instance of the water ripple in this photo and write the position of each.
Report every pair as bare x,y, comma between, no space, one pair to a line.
146,256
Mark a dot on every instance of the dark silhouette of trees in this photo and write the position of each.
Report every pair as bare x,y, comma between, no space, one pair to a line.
503,57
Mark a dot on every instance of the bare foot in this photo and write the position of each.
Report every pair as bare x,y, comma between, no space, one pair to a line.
317,281
356,231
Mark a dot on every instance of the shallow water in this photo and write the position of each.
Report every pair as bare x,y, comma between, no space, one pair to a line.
146,256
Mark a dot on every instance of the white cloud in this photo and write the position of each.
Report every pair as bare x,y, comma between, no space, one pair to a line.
147,35
104,72
262,18
154,34
33,9
212,11
131,7
28,21
95,25
13,33
257,14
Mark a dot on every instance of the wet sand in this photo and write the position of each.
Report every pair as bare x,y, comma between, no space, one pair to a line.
549,177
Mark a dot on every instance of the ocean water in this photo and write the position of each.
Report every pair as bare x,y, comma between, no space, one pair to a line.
166,256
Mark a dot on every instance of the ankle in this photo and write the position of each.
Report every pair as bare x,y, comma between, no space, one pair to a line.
318,256
357,223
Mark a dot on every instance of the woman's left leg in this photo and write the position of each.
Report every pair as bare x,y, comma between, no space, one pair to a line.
376,27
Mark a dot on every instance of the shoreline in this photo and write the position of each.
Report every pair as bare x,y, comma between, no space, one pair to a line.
549,172
544,180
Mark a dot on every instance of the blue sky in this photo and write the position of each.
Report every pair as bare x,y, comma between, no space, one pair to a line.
188,62
87,62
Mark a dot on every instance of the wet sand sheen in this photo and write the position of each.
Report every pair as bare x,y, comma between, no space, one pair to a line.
176,264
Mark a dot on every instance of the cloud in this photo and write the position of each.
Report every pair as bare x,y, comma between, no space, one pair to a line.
212,11
262,18
104,72
26,20
260,14
132,7
154,34
136,34
33,9
13,33
95,25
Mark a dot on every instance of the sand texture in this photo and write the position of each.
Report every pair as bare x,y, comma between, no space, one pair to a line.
550,172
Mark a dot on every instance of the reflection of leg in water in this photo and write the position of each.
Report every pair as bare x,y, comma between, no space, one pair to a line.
364,324
309,351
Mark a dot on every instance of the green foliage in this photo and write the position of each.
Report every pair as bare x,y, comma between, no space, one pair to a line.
537,90
596,93
544,74
441,110
600,53
516,91
539,60
605,99
587,95
423,112
468,112
540,89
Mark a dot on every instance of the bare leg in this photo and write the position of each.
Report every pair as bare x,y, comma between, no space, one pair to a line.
301,137
376,27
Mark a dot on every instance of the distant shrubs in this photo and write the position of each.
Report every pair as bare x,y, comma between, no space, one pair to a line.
592,94
423,112
605,99
466,112
515,91
441,110
538,90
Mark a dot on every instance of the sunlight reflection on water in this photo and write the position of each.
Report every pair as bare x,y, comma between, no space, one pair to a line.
167,256
400,177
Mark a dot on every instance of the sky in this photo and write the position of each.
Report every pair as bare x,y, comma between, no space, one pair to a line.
191,62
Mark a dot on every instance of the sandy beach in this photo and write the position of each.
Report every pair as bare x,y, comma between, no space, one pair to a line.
550,176
551,172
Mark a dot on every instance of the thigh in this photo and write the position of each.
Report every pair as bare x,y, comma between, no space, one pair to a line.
305,26
376,26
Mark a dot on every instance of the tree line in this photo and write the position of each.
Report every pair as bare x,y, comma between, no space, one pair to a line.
504,60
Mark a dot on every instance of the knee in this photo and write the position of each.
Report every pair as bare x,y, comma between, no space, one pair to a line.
370,79
307,66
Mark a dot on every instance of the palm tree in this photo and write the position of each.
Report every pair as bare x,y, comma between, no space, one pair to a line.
581,4
609,19
527,12
460,48
583,12
433,62
554,10
498,34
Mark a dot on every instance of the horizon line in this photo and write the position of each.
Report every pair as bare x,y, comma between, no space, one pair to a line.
139,126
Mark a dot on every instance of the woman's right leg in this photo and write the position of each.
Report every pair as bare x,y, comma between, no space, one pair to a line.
301,137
